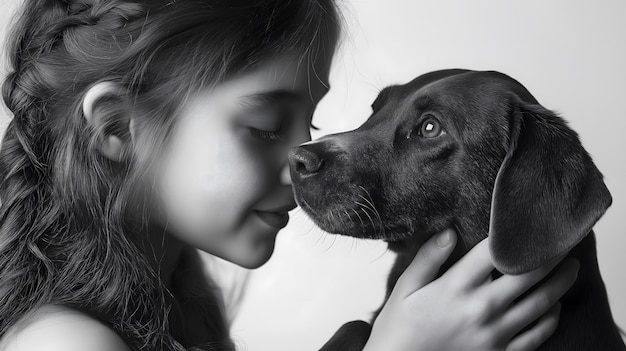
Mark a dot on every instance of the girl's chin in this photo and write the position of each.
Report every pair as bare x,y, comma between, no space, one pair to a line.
253,255
253,261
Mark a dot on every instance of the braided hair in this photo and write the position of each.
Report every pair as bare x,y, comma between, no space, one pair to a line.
65,233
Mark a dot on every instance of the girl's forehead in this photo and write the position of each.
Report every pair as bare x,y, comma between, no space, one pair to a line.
280,79
286,73
292,69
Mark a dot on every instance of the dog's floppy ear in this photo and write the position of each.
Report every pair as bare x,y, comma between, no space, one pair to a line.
548,193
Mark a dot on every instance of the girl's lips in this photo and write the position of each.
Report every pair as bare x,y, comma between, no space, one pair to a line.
276,220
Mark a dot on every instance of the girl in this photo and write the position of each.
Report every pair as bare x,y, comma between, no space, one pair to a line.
144,130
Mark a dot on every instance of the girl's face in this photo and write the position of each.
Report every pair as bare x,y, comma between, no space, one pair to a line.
224,184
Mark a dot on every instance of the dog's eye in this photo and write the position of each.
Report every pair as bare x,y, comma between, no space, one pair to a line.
430,128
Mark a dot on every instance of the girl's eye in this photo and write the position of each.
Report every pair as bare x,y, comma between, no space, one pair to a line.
430,127
269,136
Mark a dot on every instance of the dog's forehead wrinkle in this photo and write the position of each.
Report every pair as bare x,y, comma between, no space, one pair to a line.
383,125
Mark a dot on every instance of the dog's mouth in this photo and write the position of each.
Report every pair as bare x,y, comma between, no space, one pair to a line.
361,220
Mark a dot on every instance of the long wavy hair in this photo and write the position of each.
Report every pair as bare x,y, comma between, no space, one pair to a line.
66,237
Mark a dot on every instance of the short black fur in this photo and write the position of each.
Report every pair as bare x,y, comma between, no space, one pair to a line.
504,166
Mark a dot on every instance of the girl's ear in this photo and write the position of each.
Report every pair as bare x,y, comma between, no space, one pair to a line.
106,111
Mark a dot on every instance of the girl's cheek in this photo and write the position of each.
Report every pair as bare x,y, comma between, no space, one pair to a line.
233,168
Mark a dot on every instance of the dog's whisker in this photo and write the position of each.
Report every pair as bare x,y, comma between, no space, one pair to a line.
344,221
364,205
372,207
347,218
368,199
321,237
331,215
333,241
354,244
370,218
323,242
380,221
312,227
358,215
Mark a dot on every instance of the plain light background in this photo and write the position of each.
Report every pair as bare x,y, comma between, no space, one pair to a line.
569,54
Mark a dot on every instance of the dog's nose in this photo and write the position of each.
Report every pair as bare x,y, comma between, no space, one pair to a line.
303,162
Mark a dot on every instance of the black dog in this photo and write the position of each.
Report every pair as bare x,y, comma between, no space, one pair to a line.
476,152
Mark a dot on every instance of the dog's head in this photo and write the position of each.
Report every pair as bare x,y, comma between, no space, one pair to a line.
456,148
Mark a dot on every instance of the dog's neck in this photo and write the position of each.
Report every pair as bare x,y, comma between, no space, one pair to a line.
470,231
471,225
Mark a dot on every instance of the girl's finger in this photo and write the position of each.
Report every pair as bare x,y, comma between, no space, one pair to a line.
488,280
539,333
426,263
473,268
539,300
507,288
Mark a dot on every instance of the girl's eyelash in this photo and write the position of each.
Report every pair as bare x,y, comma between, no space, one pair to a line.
272,137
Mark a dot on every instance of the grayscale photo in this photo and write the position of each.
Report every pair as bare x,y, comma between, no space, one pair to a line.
312,175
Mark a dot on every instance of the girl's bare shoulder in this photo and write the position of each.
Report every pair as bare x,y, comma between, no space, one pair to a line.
60,328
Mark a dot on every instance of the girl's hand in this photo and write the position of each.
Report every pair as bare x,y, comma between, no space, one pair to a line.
464,309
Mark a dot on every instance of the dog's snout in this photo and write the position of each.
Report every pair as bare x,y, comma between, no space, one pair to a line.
304,162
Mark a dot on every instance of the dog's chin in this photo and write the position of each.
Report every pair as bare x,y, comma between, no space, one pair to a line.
349,222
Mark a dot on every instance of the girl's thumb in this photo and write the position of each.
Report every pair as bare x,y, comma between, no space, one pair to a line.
427,262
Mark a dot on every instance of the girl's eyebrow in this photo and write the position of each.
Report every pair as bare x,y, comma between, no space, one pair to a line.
269,98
